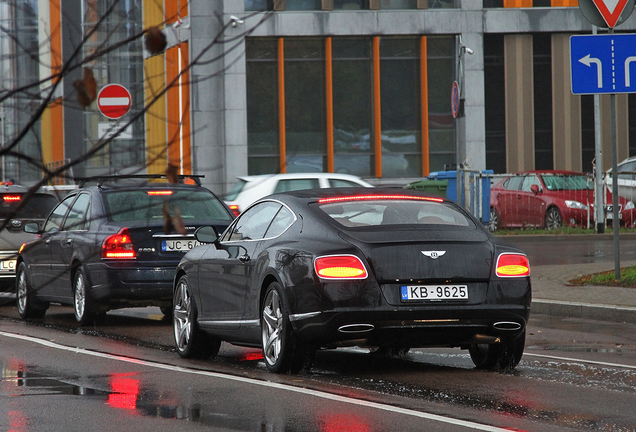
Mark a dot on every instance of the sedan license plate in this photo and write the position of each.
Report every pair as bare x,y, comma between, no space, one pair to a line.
434,292
182,245
7,266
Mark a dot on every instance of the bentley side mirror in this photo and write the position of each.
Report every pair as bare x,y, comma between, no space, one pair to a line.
206,234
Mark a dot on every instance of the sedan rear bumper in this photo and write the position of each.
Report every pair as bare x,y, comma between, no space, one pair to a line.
119,285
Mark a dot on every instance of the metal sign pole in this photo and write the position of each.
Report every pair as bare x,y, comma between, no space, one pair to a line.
616,222
599,190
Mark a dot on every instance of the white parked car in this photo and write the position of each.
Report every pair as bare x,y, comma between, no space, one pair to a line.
626,178
248,189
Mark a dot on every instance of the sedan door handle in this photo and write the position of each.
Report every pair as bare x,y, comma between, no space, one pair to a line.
48,242
69,242
244,258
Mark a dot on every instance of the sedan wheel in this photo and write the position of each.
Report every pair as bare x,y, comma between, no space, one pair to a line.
28,306
282,350
502,356
81,300
190,341
553,219
493,224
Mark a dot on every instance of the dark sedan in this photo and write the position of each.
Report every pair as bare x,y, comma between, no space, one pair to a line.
379,268
113,244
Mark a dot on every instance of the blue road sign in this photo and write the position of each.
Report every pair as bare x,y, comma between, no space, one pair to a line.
603,63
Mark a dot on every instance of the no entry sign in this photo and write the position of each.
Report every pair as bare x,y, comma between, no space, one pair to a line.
114,101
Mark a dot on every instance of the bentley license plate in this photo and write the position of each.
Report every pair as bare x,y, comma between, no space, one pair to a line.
434,292
182,245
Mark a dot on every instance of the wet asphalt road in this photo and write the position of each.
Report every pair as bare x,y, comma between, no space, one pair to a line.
575,375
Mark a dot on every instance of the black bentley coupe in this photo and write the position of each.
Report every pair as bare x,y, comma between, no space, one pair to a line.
386,269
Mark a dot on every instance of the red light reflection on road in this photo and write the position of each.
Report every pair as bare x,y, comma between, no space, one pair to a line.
343,422
124,392
17,422
251,356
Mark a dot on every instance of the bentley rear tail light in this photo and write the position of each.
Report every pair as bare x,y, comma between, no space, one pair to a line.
512,265
118,246
340,267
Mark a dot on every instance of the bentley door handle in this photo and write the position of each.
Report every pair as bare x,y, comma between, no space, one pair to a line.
244,258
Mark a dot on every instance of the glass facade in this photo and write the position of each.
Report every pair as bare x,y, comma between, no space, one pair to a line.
120,66
306,138
19,67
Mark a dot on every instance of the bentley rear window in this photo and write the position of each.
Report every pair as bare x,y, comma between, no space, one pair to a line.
395,212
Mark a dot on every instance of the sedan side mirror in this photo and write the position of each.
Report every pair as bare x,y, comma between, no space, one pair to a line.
535,189
206,234
32,228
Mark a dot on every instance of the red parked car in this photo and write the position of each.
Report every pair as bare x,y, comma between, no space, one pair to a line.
549,199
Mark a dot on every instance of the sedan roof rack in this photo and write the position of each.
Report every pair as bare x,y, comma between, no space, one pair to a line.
100,180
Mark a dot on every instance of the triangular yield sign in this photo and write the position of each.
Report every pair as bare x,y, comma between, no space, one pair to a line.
611,10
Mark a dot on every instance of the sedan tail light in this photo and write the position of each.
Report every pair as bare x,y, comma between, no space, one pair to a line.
118,246
340,267
235,209
513,265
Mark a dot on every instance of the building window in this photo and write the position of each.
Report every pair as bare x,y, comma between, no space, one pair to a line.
305,105
258,5
400,103
441,124
495,108
543,132
631,100
588,134
262,106
398,4
352,106
333,81
291,5
350,4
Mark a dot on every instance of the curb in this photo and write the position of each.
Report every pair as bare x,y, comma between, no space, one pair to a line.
584,310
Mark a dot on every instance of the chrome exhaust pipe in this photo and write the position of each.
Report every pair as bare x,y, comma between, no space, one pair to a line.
356,328
507,326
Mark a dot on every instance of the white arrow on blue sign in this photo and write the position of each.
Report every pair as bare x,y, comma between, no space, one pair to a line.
603,63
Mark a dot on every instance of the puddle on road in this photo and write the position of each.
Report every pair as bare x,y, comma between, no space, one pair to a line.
126,392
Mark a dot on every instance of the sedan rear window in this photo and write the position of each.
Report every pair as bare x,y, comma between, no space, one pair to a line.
139,205
37,207
395,212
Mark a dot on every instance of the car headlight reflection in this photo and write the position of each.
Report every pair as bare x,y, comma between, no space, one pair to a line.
629,206
575,205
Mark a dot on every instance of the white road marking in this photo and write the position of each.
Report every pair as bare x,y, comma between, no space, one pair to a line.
315,393
618,365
